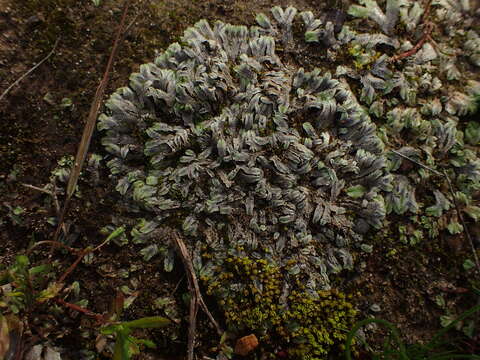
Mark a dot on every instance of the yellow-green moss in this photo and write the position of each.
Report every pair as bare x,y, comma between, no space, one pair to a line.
303,325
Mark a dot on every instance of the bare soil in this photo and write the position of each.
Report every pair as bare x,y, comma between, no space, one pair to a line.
36,131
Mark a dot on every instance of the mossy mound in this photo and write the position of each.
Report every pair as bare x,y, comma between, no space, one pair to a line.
303,324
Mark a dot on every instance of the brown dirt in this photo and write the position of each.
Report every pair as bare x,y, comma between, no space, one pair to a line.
36,131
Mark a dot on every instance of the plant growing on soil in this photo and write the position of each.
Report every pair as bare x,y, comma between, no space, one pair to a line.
228,139
21,286
437,348
127,345
246,151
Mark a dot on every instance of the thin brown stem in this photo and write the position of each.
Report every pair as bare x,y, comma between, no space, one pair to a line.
53,195
54,244
91,120
417,47
416,162
74,265
30,71
100,318
426,35
45,191
196,300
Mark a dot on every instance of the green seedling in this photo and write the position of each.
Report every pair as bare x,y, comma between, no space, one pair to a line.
19,285
127,345
394,348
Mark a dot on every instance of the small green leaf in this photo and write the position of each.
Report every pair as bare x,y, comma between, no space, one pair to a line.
148,322
446,320
129,300
49,99
434,210
22,261
18,210
440,301
162,302
97,2
263,21
366,248
169,260
133,348
66,102
311,36
455,228
151,180
462,198
116,233
469,329
149,252
473,212
358,11
111,329
356,191
39,269
148,343
468,264
224,338
472,133
50,292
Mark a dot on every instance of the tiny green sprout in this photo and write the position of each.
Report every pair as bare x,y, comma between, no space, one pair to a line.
366,248
97,2
468,264
455,228
15,214
25,285
356,191
473,212
66,103
472,133
440,301
393,348
311,36
127,345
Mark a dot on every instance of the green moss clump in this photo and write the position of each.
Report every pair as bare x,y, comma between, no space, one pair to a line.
306,326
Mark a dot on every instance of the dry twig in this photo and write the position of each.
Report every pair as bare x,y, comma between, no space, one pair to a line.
426,36
416,162
30,71
99,317
196,300
72,267
53,195
54,244
417,47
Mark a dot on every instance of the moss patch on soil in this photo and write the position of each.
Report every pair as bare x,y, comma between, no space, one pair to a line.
42,121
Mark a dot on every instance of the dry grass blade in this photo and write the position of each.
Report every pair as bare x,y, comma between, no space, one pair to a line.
192,319
196,296
417,163
91,120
